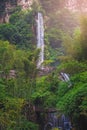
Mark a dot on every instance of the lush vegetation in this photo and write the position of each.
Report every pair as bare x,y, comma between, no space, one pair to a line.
20,30
17,81
21,86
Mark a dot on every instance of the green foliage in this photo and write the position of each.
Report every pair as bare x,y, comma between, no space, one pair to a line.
20,30
72,67
2,91
7,32
73,100
54,37
55,129
59,31
26,125
45,92
75,46
15,87
15,9
6,56
83,37
53,47
10,112
64,20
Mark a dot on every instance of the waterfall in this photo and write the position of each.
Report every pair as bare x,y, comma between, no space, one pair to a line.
40,39
65,77
52,121
59,123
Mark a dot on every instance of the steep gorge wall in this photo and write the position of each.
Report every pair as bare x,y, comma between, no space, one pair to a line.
74,5
7,6
77,5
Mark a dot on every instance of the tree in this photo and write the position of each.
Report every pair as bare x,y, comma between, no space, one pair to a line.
16,88
72,102
20,31
84,37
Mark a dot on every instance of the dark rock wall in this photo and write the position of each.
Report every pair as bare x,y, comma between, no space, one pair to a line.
7,6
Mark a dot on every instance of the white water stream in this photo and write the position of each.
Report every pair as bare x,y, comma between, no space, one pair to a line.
40,39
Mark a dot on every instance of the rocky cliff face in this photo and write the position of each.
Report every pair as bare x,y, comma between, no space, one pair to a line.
25,4
7,6
74,5
77,5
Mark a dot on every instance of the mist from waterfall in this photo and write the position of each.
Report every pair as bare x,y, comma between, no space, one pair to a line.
40,39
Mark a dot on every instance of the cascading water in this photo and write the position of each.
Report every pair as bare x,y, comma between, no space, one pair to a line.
65,77
58,123
52,121
40,39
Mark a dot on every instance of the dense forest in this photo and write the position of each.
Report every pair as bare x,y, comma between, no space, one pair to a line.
27,94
